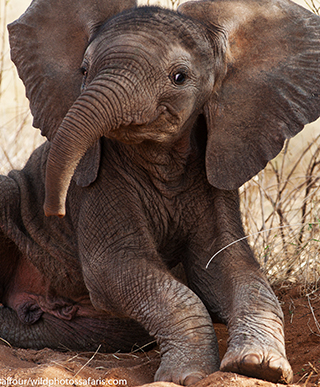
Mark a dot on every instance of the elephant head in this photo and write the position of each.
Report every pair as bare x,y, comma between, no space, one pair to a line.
249,67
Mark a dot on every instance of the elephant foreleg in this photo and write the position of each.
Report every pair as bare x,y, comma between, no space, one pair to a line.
168,310
233,287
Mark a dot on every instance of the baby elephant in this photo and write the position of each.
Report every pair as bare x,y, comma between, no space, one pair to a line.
154,118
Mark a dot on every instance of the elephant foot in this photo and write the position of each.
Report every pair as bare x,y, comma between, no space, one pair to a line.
184,373
184,377
187,365
266,363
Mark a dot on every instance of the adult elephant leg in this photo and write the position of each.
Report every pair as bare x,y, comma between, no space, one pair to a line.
130,280
233,287
79,334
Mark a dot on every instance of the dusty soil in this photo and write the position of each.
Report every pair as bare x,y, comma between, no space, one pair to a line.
47,367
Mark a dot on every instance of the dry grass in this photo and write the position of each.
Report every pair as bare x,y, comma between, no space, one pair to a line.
280,206
17,139
173,4
281,212
313,5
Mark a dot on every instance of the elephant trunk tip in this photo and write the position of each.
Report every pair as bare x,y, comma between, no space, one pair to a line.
52,209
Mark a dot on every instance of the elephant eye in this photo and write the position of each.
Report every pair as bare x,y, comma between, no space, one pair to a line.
179,78
84,72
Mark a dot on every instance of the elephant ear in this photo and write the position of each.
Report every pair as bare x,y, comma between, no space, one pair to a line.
47,46
271,87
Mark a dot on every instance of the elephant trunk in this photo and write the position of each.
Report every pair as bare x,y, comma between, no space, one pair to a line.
78,334
95,113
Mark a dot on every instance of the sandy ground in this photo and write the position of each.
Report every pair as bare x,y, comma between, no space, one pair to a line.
48,367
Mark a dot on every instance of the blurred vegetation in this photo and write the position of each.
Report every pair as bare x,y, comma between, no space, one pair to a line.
314,6
173,4
281,213
17,137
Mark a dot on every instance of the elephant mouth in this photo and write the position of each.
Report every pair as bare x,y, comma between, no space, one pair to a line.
162,127
136,134
126,134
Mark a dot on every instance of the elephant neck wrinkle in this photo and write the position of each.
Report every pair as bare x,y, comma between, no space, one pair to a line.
165,169
165,165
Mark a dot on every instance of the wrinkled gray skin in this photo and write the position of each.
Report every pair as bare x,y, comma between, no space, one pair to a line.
170,113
